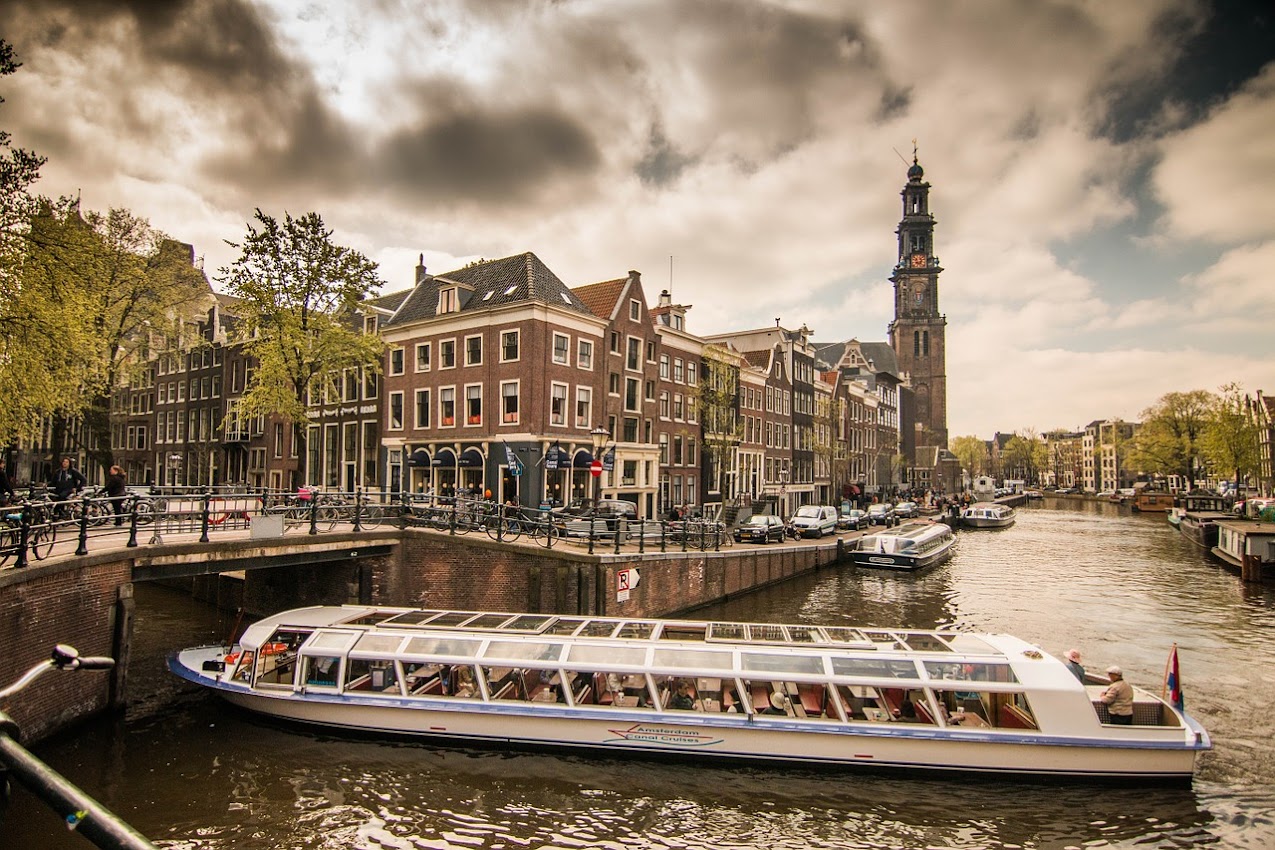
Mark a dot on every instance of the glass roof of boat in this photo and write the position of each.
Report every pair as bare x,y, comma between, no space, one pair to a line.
780,634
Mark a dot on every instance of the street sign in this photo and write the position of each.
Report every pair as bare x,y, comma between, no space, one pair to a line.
626,580
595,469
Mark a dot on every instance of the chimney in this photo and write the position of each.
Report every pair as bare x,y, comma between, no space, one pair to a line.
666,299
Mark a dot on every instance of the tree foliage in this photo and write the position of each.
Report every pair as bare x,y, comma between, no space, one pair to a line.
1230,441
1169,440
1025,455
299,293
971,452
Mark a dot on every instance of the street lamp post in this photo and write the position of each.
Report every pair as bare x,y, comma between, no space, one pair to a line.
600,436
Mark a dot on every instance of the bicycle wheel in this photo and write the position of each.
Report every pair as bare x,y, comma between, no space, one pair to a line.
145,511
372,516
42,540
545,534
8,546
327,517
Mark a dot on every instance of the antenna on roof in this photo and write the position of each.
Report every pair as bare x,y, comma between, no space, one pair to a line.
776,321
670,273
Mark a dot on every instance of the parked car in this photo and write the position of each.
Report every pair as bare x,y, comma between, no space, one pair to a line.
882,513
907,510
761,528
852,520
814,521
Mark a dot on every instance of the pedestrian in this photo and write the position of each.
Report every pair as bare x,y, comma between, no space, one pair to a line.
66,481
6,486
115,490
1118,698
1073,664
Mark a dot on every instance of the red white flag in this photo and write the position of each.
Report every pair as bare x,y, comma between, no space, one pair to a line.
1173,679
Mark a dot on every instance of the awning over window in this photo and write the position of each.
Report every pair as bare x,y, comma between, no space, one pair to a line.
556,458
446,458
470,458
420,457
582,459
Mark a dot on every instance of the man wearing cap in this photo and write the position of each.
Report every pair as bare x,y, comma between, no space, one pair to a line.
1118,697
1073,664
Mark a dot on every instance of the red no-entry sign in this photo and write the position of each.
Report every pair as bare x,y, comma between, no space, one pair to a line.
595,468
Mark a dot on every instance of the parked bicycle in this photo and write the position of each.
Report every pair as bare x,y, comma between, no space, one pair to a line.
41,532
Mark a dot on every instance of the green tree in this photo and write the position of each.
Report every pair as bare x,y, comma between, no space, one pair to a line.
971,452
299,296
717,405
1024,456
1169,440
1231,437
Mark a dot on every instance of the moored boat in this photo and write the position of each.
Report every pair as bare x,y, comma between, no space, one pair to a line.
923,701
1198,516
1248,545
1150,501
988,515
912,546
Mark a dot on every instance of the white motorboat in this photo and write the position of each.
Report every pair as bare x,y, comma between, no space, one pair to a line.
912,546
988,515
923,701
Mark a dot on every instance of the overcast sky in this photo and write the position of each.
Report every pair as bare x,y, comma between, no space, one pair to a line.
1101,171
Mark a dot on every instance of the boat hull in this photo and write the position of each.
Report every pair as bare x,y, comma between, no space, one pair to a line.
984,522
1146,755
907,563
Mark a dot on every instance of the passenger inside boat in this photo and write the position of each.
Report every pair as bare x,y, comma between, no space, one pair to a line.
684,698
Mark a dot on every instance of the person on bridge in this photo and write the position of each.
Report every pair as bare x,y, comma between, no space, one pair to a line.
66,481
115,489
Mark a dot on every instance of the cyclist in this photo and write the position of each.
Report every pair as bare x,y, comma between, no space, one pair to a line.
66,481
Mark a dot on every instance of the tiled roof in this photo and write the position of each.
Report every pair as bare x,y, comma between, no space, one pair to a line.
881,355
489,284
390,301
760,359
600,298
829,354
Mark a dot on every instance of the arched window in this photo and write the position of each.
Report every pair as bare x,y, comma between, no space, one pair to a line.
925,343
916,343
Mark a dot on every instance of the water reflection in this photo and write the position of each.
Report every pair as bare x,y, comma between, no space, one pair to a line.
192,774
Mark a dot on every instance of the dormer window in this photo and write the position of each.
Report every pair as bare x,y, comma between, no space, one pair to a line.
448,302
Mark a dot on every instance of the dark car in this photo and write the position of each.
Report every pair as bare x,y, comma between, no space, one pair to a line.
852,520
761,528
907,510
882,513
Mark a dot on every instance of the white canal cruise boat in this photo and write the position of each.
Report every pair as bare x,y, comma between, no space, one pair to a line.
913,546
925,701
988,515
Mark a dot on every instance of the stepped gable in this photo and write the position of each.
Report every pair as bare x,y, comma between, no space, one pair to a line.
601,298
487,285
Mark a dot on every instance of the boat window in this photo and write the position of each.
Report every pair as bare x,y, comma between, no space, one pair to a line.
598,628
841,634
371,674
926,643
803,634
727,631
969,643
770,663
329,641
888,705
565,626
692,658
766,633
971,672
452,618
277,658
884,640
977,708
412,618
523,650
618,690
636,630
874,668
633,656
371,618
240,666
697,632
441,680
441,646
526,623
322,670
488,621
378,643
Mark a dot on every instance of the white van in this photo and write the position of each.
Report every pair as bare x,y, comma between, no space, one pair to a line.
814,521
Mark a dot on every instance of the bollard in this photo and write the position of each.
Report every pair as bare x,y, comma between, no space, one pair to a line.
358,508
663,536
132,525
618,523
641,537
203,519
451,520
314,510
83,548
24,535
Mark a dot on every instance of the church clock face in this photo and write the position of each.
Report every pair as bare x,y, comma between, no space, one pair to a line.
918,261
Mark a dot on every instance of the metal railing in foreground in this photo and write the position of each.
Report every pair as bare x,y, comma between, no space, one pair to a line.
80,811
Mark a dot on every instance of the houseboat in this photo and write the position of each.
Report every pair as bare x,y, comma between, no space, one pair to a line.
912,546
1151,501
1247,545
988,515
933,702
1198,515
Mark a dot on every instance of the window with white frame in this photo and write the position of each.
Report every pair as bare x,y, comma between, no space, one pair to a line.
508,346
447,407
635,310
422,357
396,361
422,408
561,345
396,411
664,406
474,350
474,404
677,370
664,361
509,403
631,386
584,354
447,354
558,404
633,361
584,406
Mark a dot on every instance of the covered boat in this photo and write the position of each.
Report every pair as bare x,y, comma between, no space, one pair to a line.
926,701
1198,516
913,546
988,515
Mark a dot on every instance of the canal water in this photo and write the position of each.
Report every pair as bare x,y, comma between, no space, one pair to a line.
190,773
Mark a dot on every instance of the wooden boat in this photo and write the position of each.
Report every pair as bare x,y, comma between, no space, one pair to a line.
924,701
1248,545
1150,501
988,515
912,546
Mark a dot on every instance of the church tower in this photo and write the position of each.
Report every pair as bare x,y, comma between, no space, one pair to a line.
917,333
